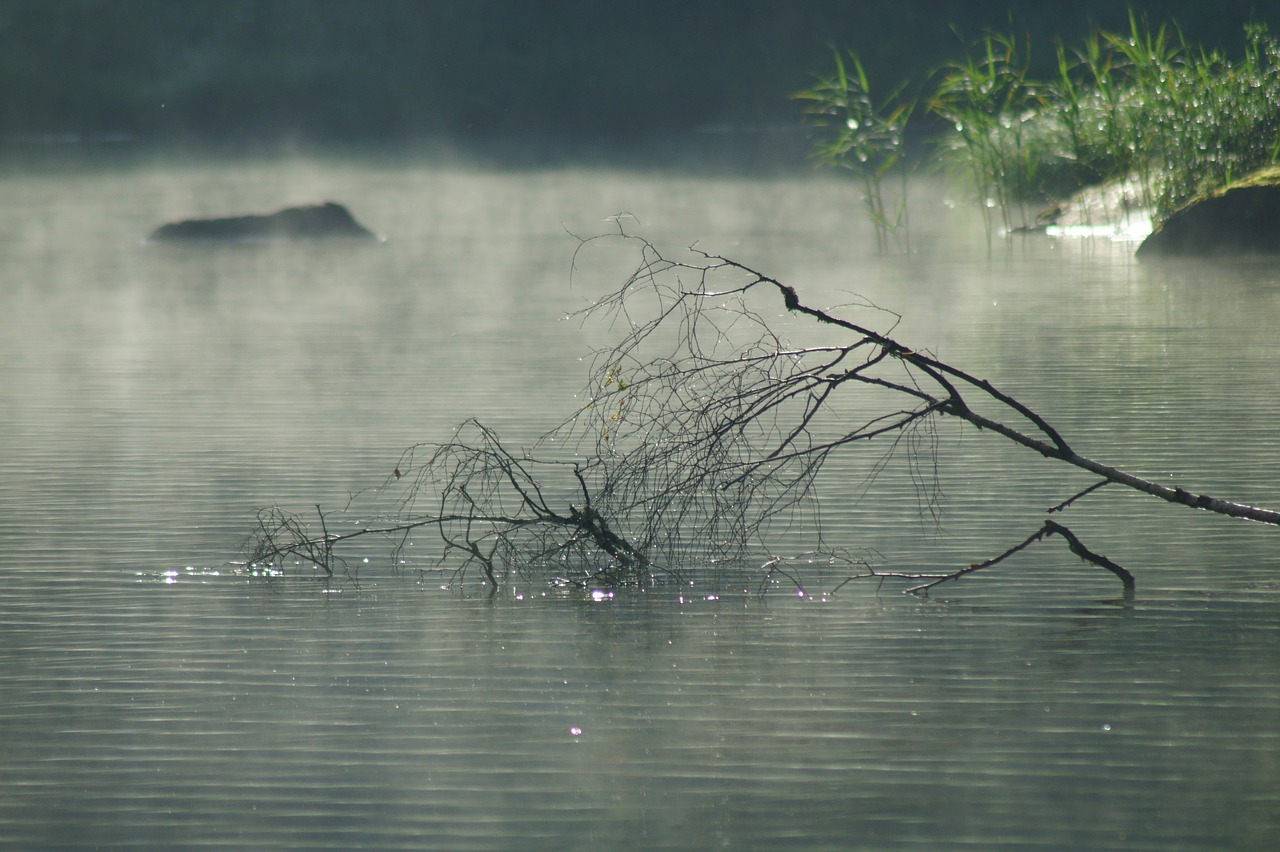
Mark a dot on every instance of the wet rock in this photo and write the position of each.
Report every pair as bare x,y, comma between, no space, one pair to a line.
1240,218
309,222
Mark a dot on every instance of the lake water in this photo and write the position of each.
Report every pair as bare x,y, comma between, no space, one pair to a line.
153,397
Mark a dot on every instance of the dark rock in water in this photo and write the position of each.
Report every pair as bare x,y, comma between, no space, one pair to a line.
310,222
1241,218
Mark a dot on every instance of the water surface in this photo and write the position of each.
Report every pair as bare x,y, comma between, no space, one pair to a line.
153,397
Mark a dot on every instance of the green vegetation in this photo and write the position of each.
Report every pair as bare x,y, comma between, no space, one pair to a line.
986,100
1144,105
867,138
1180,118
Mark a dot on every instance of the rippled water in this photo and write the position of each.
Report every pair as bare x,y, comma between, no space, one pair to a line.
153,397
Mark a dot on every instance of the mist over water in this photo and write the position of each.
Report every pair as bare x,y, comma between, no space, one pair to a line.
154,396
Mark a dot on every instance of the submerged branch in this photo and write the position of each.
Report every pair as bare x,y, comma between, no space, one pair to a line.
1049,528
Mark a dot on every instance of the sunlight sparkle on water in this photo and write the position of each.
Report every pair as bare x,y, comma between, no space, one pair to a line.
1133,229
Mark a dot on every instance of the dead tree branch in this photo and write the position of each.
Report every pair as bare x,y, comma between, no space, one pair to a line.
703,432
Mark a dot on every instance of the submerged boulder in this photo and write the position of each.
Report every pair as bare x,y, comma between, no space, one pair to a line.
1240,218
309,222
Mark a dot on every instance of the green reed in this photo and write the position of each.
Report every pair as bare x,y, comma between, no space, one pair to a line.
1218,120
867,138
1143,105
988,100
1092,122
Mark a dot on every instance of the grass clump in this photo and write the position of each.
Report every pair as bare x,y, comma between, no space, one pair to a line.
988,99
866,138
1144,105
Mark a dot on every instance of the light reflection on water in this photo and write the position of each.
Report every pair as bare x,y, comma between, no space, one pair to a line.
155,695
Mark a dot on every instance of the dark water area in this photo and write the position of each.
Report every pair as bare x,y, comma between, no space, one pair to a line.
155,694
281,69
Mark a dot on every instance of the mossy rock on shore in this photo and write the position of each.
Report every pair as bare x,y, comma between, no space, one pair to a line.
310,222
1240,218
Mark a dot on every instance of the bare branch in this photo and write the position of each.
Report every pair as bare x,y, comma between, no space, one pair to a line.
1078,495
703,432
